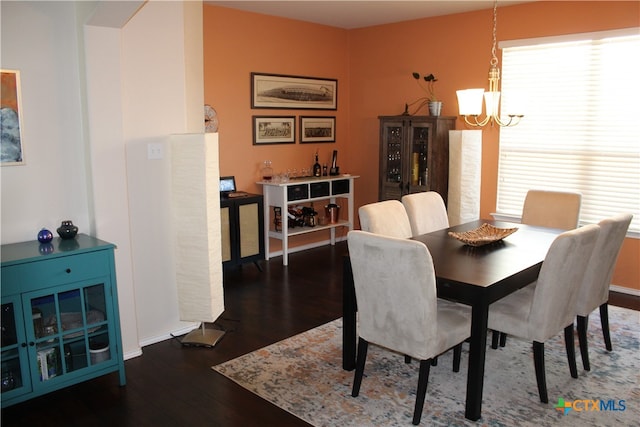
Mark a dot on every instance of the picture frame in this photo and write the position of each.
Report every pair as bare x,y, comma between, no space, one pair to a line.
274,130
11,141
280,91
317,129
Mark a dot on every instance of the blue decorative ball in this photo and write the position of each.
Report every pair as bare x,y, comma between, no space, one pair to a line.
45,236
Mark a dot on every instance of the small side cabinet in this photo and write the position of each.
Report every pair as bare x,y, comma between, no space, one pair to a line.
60,319
242,230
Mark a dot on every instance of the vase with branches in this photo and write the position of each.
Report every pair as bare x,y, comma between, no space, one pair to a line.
432,100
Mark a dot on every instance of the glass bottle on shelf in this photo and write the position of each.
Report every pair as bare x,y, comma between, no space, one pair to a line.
317,169
267,171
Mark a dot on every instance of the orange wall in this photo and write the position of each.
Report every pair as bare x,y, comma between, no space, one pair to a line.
373,66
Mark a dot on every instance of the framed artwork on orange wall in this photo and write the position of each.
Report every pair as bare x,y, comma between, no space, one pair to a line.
293,92
11,142
274,130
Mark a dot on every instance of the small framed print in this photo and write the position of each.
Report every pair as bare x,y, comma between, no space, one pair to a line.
317,129
274,130
11,142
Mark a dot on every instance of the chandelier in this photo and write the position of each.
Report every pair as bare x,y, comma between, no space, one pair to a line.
470,100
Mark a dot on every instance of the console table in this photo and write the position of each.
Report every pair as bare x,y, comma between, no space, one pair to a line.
305,190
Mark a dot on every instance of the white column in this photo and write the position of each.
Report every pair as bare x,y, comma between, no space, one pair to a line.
465,164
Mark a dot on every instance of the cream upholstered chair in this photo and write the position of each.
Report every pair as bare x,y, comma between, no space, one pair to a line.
554,209
388,218
594,291
539,312
395,289
426,212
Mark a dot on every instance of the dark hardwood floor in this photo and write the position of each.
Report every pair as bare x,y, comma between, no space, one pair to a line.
171,385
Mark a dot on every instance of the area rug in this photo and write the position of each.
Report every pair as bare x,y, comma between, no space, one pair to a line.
303,375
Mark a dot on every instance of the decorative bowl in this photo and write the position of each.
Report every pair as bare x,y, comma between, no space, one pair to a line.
483,235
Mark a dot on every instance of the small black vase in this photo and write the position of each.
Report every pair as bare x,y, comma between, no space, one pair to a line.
67,230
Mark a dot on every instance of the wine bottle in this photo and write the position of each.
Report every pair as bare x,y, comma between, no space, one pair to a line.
317,169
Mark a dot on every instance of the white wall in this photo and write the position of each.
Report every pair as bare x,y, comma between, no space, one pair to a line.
85,146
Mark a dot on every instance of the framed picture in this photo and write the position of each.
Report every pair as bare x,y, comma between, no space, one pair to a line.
274,130
11,148
293,92
317,129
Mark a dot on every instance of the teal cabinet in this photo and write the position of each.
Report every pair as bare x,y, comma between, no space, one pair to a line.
60,319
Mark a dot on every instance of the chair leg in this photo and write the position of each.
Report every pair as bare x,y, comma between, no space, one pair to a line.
569,343
503,339
538,361
457,353
494,339
604,320
363,345
434,361
583,321
421,393
407,359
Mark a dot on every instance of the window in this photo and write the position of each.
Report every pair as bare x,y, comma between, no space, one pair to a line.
581,129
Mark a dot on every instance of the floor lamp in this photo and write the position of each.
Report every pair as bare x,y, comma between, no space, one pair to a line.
195,204
465,166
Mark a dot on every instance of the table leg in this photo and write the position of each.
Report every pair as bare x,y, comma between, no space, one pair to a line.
477,349
348,317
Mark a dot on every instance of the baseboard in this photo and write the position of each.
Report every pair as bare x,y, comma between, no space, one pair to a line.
307,246
623,290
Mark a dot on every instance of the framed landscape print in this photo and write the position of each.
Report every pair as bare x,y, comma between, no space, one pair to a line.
274,130
11,142
293,92
317,129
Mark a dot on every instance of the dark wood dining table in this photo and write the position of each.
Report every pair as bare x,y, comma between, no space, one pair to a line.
474,276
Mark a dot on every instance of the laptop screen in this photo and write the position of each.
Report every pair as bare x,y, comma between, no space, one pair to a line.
227,184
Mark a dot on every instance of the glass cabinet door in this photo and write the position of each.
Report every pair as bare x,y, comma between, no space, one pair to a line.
70,330
15,373
391,158
419,144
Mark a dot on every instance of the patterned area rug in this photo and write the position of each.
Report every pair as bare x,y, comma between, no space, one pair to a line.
303,375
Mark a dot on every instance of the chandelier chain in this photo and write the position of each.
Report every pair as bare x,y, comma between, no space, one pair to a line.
494,57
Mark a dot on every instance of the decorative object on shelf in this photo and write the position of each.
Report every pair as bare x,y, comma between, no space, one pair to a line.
274,130
333,213
282,91
210,119
45,236
266,172
277,218
67,230
335,170
470,100
435,106
483,235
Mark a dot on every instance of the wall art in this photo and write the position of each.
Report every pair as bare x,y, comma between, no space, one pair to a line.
317,129
274,130
11,142
293,92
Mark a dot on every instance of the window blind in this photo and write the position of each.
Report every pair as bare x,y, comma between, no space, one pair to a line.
581,129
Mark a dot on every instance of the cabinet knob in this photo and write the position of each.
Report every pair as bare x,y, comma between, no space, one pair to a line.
31,344
68,270
24,344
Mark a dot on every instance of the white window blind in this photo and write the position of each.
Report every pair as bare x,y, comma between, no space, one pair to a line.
581,129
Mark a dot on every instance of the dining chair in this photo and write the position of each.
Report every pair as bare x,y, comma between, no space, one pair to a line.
544,208
388,218
554,209
594,291
395,289
542,309
426,212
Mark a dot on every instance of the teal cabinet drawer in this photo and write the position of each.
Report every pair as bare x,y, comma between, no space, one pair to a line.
35,275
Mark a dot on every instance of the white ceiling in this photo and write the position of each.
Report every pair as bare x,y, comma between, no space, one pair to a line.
350,14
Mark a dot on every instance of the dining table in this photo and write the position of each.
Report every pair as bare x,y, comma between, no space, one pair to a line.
471,275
